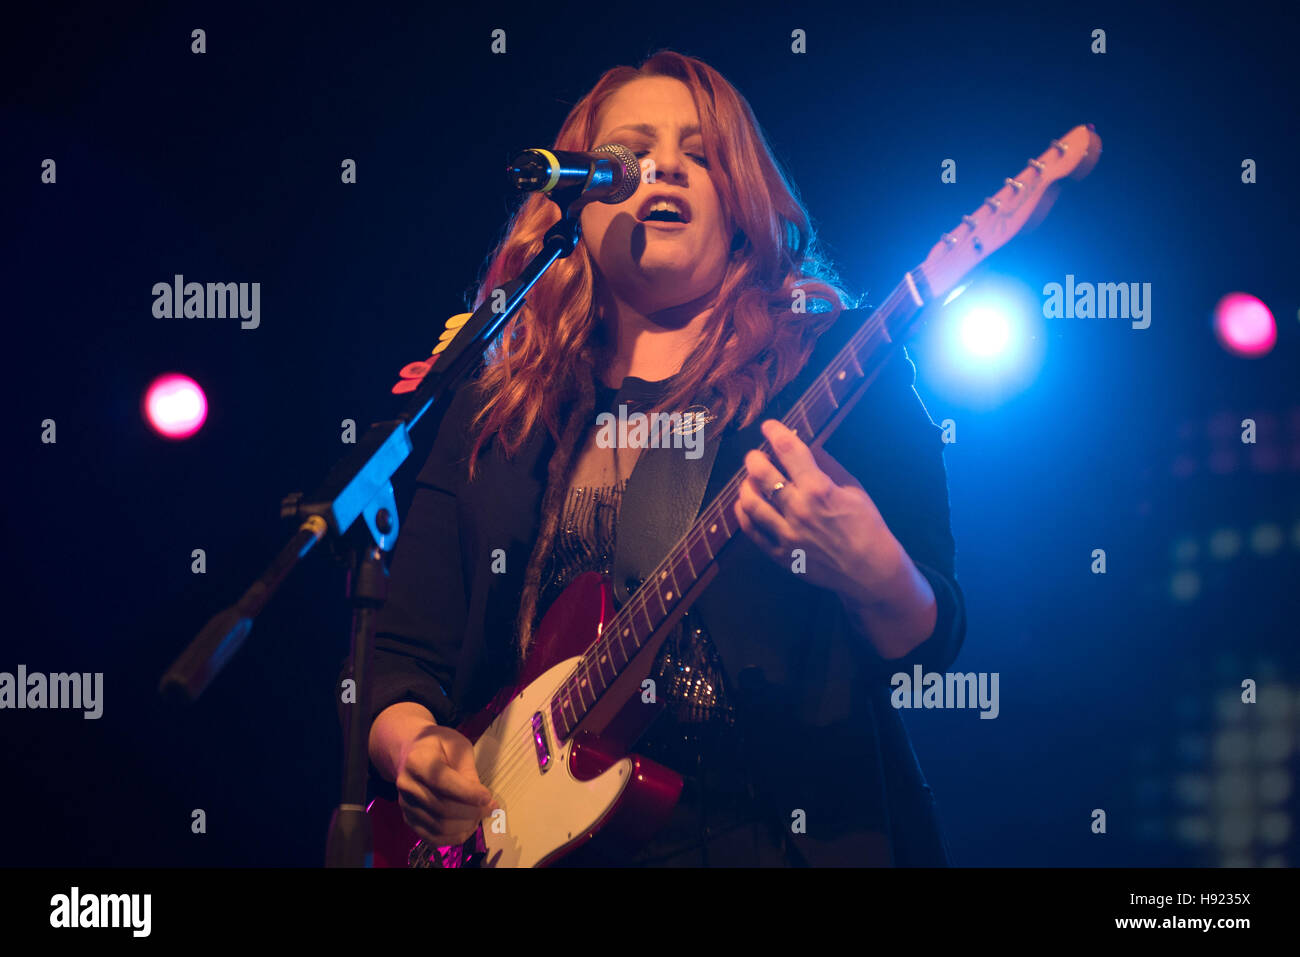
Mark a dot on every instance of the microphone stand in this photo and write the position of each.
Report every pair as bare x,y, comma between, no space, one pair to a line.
359,486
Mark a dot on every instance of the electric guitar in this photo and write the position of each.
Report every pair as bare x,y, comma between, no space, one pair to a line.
554,749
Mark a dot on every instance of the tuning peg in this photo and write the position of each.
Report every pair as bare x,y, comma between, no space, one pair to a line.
1037,165
1060,146
1015,184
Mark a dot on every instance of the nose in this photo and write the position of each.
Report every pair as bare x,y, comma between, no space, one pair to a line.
670,164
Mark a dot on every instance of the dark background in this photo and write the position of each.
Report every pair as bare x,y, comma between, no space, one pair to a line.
226,167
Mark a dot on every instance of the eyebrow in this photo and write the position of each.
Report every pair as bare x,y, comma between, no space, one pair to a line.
650,131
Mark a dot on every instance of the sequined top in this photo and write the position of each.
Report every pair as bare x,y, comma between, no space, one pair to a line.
687,672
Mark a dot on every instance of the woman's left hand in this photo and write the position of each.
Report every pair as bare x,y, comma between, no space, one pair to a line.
823,510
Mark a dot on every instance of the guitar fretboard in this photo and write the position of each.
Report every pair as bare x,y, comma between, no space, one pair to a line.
662,593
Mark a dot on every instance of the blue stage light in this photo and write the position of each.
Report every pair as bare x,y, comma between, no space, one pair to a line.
986,343
985,332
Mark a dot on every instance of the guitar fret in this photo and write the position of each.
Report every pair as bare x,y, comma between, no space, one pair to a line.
583,682
673,559
830,393
601,659
708,530
618,658
820,409
649,622
701,539
568,702
722,518
852,352
686,553
624,632
807,431
680,558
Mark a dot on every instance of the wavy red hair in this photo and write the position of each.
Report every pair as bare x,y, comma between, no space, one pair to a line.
757,341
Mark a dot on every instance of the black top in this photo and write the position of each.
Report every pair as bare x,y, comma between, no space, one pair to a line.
823,747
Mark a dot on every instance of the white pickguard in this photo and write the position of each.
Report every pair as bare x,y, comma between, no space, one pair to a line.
544,810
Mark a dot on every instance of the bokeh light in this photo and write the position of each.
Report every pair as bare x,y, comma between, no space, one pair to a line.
175,406
1244,325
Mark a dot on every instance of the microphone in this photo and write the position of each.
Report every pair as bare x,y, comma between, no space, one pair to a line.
609,173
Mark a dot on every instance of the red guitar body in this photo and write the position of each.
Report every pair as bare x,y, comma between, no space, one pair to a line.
572,624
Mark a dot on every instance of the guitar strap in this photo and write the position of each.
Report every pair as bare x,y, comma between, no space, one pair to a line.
660,502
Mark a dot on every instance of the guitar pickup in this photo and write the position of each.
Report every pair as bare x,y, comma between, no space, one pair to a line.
540,743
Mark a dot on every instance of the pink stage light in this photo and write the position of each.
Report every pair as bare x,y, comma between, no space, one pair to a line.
1244,325
175,406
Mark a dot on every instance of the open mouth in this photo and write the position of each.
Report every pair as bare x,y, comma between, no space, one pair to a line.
664,209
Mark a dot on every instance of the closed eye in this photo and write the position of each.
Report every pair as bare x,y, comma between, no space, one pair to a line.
703,161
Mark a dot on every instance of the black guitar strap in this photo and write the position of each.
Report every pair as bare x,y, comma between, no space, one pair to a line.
660,502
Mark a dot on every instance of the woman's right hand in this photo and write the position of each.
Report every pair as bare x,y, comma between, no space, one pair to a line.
438,789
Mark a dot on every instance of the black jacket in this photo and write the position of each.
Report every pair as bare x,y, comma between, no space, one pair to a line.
817,695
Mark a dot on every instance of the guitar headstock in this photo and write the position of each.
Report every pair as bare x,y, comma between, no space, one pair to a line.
1021,202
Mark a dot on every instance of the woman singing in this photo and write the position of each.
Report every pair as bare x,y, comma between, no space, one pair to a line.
706,285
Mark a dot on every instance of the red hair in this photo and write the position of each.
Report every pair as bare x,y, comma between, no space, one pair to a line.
756,342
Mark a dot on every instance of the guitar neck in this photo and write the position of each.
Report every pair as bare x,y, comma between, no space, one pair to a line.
672,587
